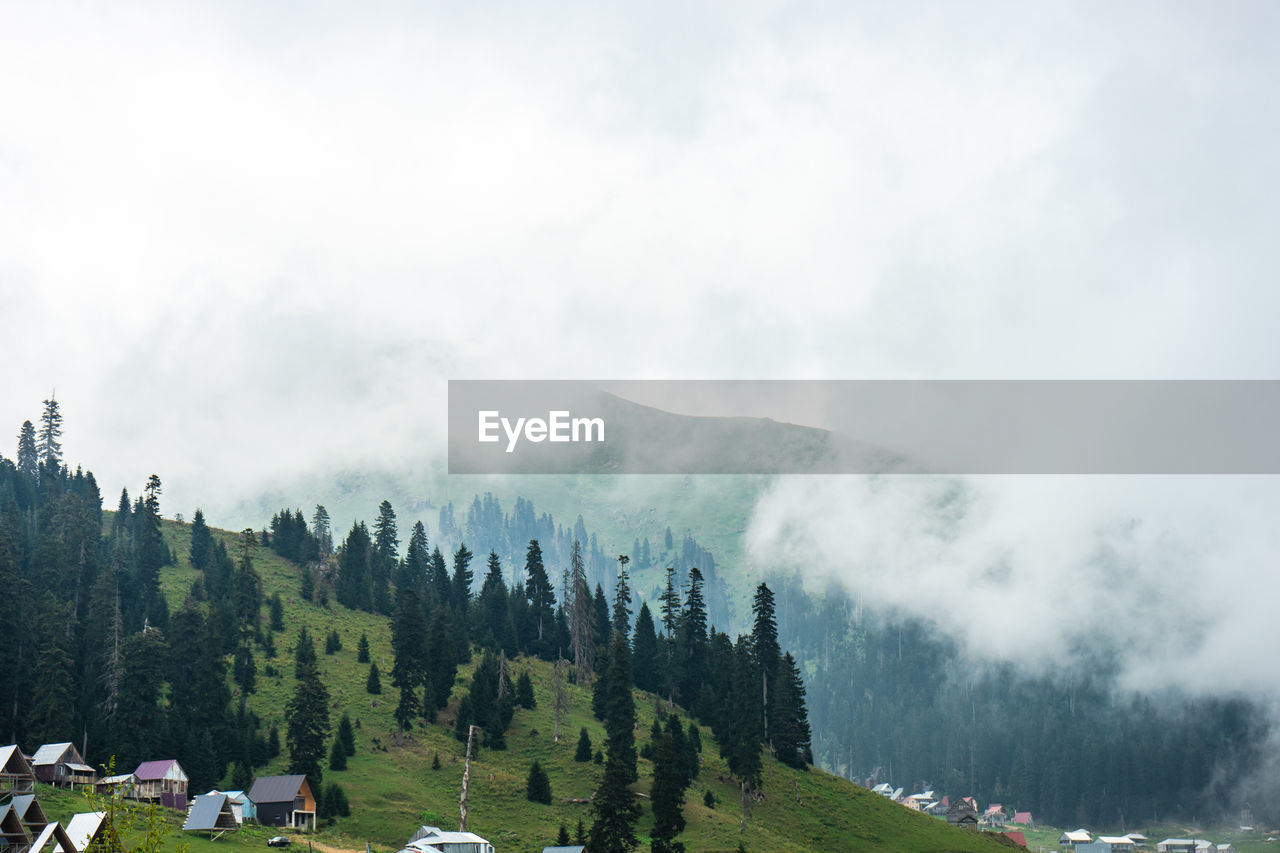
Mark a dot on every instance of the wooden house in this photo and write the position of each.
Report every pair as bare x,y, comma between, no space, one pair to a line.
60,764
433,839
963,813
284,801
16,774
162,781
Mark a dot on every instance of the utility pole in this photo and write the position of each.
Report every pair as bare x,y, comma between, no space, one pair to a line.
466,778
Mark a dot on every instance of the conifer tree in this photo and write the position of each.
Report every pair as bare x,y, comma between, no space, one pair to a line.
307,715
28,454
373,684
542,597
49,446
416,565
622,598
346,734
582,619
538,786
667,793
583,753
385,556
337,756
524,692
615,807
362,649
321,531
647,651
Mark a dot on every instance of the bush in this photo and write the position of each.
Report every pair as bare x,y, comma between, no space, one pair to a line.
538,787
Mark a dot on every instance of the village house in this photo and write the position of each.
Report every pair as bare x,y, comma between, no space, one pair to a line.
1176,845
16,775
963,813
1023,819
162,781
1107,844
60,764
1075,836
125,783
284,801
432,839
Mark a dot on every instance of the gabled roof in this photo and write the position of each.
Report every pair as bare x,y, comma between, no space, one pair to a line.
29,810
210,812
276,789
82,828
1076,836
11,827
1022,817
576,848
50,753
53,837
150,771
13,761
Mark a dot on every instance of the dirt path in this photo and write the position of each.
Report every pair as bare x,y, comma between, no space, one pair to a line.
324,848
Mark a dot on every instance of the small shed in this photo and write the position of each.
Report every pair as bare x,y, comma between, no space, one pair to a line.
241,805
211,813
164,781
1107,844
284,801
16,775
60,764
83,828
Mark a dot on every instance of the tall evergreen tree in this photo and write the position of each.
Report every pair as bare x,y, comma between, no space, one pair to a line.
582,617
768,655
408,672
354,584
307,715
321,531
622,598
615,807
386,543
647,651
792,737
28,454
667,793
49,445
537,787
542,598
416,564
495,628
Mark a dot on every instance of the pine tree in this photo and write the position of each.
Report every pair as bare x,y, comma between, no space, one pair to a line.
615,807
583,753
647,651
354,583
385,556
542,598
667,793
417,562
347,734
538,786
524,692
304,654
373,684
307,716
441,659
337,755
622,598
562,837
49,445
277,613
332,643
362,649
582,620
321,531
792,737
28,454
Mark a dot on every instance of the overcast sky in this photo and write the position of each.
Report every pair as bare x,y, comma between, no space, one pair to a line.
243,240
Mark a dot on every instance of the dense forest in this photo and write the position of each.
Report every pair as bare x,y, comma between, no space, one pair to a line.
106,664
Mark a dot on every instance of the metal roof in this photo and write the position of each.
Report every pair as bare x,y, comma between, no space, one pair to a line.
206,809
149,771
50,753
52,837
276,789
6,755
83,827
22,805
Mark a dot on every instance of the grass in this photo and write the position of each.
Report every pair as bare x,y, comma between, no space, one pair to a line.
393,789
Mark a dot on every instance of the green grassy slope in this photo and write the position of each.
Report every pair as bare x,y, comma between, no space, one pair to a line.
393,789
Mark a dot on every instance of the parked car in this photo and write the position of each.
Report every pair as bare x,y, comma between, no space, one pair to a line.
278,841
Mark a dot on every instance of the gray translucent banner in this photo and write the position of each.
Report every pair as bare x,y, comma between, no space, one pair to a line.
864,427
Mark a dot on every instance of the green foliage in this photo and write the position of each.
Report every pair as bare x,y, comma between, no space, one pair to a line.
583,752
709,799
338,755
537,786
615,808
362,649
308,717
332,643
524,692
373,684
347,734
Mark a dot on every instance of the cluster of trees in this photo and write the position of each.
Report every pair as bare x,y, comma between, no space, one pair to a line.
95,655
901,704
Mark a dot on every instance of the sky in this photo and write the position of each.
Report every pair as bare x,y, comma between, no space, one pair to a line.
240,242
